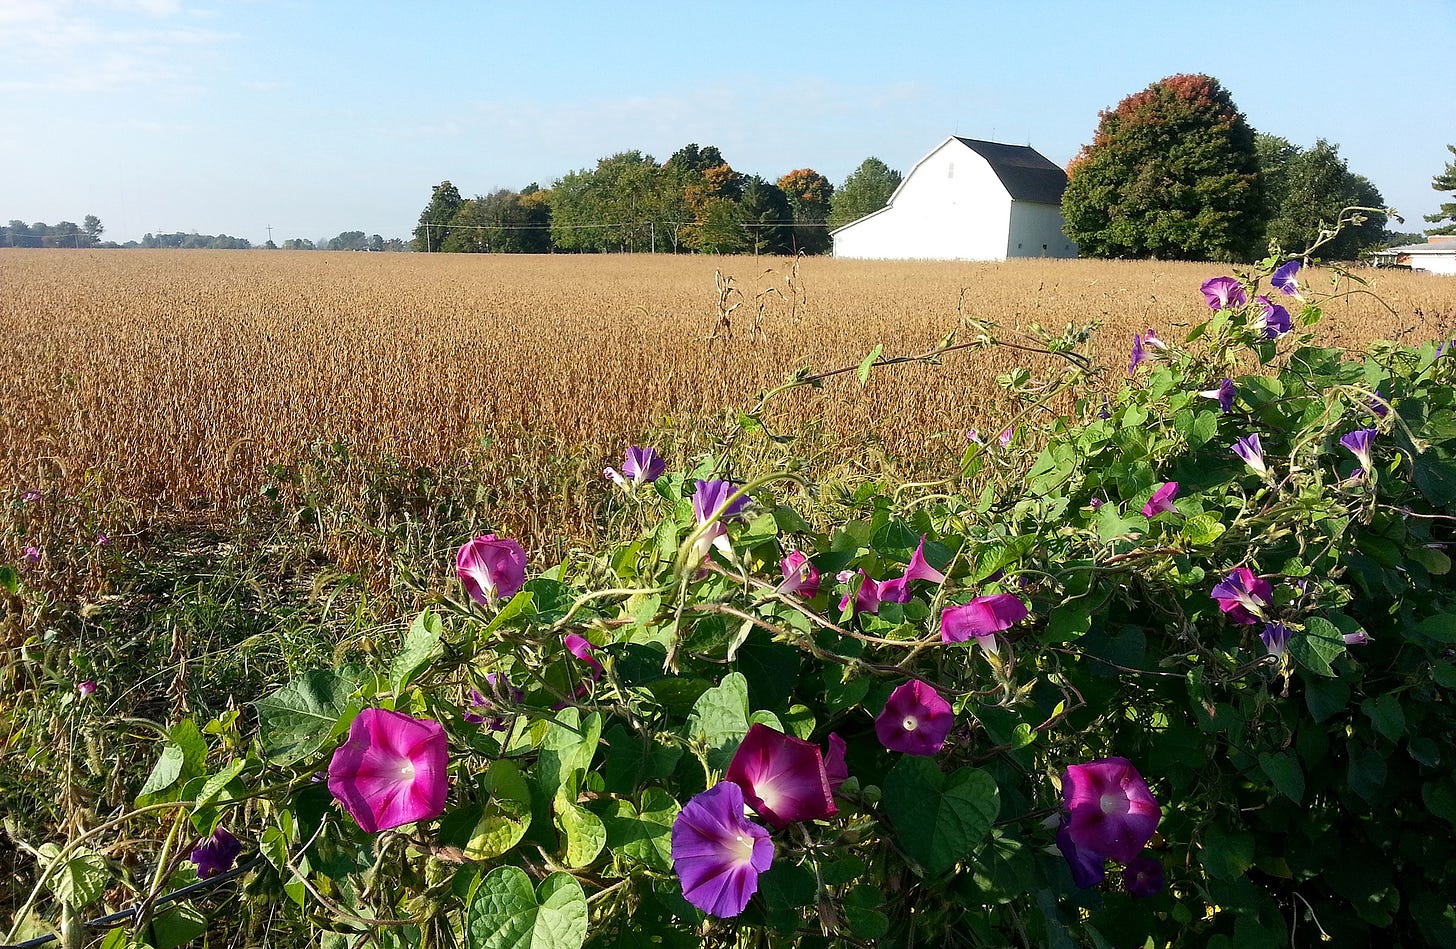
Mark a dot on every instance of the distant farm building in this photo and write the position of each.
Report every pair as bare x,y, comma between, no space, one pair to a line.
967,200
1437,256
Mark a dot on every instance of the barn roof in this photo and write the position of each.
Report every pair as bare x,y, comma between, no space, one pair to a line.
1026,173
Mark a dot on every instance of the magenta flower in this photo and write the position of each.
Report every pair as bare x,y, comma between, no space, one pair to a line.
1224,394
1110,811
1276,318
31,556
800,576
1224,292
29,496
717,853
1358,442
982,618
974,435
491,567
1138,353
1284,280
1143,877
391,771
102,540
1276,638
1088,869
782,777
711,509
1357,638
581,648
86,688
1243,596
835,767
919,569
495,723
641,466
216,854
1005,439
1162,500
1249,449
867,598
915,720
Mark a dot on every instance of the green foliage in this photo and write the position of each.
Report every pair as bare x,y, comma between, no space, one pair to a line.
867,189
1445,181
1171,173
1306,191
432,230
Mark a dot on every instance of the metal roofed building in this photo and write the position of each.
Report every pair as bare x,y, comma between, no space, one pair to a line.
967,200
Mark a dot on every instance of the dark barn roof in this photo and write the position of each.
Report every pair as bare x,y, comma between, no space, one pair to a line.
1026,174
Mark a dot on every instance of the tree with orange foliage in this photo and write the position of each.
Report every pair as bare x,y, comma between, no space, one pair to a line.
809,194
1172,173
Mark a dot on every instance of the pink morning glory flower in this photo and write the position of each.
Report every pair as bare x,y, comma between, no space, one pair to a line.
1276,638
915,720
800,576
491,568
835,767
391,771
867,598
487,704
717,853
216,854
974,435
1162,500
919,569
31,556
1224,394
1243,596
1358,442
1276,318
982,618
783,778
641,466
1110,811
86,688
1249,449
1143,877
29,496
1284,280
1005,437
1224,292
1357,638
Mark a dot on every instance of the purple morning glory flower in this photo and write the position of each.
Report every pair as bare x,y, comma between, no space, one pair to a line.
1224,394
1249,449
641,466
1379,406
974,435
485,704
1162,500
835,767
1276,638
1137,353
29,496
867,599
1358,442
919,569
216,854
32,556
1143,877
1088,868
1106,410
717,853
1284,280
915,720
711,508
1243,596
1110,811
983,618
1357,638
1276,318
1223,292
783,778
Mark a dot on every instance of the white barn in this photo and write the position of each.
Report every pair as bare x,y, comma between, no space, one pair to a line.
1437,256
967,200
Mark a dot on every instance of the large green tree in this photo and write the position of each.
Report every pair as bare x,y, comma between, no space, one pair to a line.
625,203
768,217
865,191
433,229
1307,189
1172,172
1445,181
503,222
809,194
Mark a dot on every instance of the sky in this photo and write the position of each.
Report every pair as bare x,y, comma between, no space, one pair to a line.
231,116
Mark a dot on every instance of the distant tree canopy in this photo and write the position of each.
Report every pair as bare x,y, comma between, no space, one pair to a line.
1172,172
433,227
867,189
809,195
1445,181
1305,191
63,234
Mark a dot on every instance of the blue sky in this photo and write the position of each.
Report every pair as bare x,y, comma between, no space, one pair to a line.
226,116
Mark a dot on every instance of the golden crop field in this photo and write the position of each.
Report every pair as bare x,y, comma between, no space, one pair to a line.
172,374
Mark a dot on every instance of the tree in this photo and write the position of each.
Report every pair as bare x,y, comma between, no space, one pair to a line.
349,240
1306,191
1172,172
865,191
91,226
297,243
767,217
434,219
722,230
1445,181
620,205
809,194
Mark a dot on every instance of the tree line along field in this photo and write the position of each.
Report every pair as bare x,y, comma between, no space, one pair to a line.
171,380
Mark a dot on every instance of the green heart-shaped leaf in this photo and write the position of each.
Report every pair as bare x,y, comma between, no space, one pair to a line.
940,819
505,913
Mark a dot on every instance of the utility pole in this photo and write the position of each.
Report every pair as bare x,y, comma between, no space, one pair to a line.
270,233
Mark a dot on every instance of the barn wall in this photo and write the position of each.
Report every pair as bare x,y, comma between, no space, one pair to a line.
1434,263
951,207
1037,231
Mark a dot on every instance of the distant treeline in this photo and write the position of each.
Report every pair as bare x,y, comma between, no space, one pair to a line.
88,234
